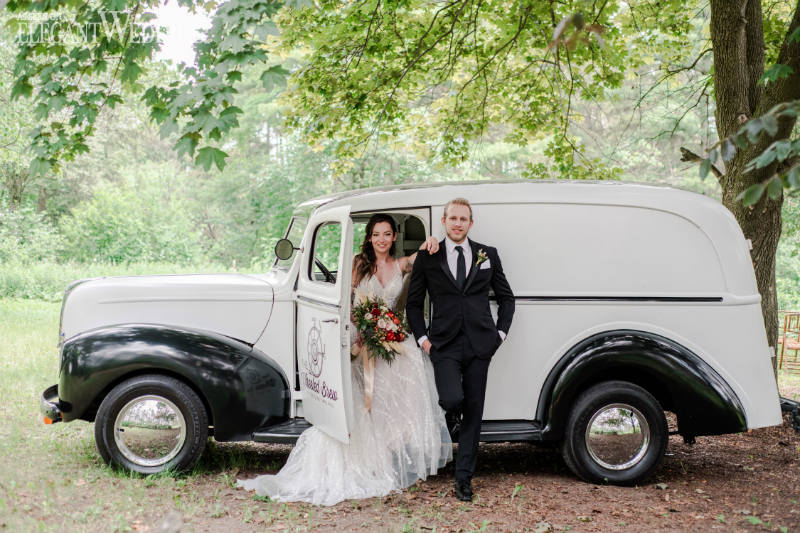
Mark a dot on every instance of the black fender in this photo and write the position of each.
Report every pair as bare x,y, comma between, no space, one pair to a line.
243,389
681,381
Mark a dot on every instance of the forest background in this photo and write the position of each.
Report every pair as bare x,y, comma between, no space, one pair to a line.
132,204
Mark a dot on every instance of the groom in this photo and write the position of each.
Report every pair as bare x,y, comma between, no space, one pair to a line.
462,336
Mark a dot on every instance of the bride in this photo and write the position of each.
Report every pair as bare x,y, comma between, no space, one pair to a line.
402,437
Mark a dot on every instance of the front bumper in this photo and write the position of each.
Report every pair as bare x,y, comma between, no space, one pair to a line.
49,405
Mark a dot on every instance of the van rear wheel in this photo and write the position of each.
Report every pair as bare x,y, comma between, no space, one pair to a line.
616,433
150,424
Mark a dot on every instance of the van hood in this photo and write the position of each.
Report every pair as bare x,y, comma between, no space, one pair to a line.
234,305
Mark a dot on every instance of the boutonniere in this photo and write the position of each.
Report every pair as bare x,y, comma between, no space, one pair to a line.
481,257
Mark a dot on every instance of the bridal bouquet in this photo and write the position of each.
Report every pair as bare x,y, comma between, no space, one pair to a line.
381,329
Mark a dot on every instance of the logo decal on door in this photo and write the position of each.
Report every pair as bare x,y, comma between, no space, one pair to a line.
315,357
315,350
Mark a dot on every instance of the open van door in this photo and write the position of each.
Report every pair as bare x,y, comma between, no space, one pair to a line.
323,323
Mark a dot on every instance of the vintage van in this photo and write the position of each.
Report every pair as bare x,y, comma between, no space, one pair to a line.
631,300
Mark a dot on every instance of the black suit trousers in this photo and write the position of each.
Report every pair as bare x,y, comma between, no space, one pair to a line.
461,382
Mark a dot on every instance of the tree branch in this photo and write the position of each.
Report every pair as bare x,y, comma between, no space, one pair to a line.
691,157
671,72
420,52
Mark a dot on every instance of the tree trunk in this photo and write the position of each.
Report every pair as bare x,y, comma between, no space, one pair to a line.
737,37
41,200
15,179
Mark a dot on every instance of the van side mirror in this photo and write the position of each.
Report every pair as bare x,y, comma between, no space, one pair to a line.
284,249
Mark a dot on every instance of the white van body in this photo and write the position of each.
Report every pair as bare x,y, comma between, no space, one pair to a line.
614,283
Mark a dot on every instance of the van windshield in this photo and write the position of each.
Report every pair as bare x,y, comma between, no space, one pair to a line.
295,231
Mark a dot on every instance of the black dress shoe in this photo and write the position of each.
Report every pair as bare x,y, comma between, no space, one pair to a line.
464,490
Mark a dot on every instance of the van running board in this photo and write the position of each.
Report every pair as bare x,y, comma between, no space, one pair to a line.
491,431
284,433
510,431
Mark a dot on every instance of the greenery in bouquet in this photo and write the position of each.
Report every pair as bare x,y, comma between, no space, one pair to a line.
380,328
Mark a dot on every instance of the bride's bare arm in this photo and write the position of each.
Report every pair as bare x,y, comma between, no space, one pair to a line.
353,284
430,244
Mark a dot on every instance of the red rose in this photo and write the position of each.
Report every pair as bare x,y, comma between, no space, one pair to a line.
390,336
376,311
396,320
400,337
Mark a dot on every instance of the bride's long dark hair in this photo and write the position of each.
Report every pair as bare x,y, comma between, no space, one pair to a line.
365,261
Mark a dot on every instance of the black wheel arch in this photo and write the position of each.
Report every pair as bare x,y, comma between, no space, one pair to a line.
679,379
90,412
242,388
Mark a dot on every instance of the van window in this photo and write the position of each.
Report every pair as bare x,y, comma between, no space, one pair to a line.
411,232
325,263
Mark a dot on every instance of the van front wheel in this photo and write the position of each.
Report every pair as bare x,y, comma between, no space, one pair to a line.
150,424
616,433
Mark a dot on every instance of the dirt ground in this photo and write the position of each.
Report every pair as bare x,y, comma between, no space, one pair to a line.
746,482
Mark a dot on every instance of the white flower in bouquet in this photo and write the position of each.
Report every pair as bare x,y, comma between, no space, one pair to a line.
368,316
360,297
381,323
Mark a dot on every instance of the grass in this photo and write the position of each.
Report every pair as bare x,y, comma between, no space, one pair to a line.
53,478
47,281
789,385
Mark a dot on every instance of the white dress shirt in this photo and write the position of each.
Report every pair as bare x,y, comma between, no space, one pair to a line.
452,263
452,256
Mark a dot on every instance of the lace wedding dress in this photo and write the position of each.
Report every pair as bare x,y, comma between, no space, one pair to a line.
401,439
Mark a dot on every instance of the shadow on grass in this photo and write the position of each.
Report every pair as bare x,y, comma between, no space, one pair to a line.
220,457
228,461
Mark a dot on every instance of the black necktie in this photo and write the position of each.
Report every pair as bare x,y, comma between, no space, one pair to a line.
461,268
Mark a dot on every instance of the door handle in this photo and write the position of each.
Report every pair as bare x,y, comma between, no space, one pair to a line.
331,321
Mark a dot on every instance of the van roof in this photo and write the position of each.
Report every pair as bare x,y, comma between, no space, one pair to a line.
511,191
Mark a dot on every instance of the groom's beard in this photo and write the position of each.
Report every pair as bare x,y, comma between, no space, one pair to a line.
454,238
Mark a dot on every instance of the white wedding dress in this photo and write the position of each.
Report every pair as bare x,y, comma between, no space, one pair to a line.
402,439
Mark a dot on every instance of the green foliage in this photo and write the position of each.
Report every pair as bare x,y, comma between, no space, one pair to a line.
73,70
776,72
787,268
27,237
16,118
202,108
377,70
46,280
102,55
787,275
208,155
123,225
781,154
374,71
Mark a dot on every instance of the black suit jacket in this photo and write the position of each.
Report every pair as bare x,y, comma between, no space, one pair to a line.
457,310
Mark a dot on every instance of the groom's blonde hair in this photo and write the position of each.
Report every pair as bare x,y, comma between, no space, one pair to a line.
458,201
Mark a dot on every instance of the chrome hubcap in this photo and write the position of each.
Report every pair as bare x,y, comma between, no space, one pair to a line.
617,436
150,430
